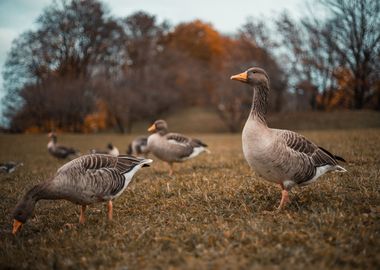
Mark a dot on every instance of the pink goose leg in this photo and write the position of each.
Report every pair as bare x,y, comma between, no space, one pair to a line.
82,217
285,197
110,210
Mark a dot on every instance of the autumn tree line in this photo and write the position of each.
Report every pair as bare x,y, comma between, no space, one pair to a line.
84,70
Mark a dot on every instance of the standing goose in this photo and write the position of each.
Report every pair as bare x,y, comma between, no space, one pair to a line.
59,151
85,180
111,150
173,147
280,156
139,146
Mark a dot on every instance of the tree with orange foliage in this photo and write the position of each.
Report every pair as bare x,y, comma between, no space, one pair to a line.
97,120
203,51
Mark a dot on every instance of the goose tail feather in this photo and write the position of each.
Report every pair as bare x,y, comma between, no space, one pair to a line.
340,169
340,159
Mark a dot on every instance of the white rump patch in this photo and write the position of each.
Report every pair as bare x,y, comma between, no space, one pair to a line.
129,175
322,170
197,151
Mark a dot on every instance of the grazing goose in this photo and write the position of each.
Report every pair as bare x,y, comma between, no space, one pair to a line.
139,146
85,180
111,150
280,156
59,151
173,147
9,167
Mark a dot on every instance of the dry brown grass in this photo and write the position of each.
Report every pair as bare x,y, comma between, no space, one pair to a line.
213,214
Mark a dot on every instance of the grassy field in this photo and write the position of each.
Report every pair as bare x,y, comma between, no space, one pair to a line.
214,213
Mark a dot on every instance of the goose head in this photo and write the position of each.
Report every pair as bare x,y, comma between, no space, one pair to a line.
253,76
22,213
110,146
53,136
159,126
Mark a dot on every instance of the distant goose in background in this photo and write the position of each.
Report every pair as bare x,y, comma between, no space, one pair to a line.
280,156
85,180
59,151
139,146
173,147
111,150
10,166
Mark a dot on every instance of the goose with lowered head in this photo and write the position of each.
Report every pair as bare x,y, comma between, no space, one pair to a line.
85,180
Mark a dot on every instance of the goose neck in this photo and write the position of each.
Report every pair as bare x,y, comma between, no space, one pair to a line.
36,193
162,132
42,191
259,103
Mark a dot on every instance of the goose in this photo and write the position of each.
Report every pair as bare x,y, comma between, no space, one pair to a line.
85,180
173,147
111,150
280,156
59,151
139,146
10,166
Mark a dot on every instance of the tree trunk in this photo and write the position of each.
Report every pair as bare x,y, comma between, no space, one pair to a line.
359,98
119,125
129,127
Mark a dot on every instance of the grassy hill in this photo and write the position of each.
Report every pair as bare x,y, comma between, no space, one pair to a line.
199,120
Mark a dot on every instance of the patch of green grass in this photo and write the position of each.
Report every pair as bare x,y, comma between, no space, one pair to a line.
214,213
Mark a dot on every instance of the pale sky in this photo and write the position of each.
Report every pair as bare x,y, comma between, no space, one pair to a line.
17,16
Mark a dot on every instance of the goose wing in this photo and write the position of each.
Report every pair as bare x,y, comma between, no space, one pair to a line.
302,146
180,139
304,156
61,150
185,146
103,175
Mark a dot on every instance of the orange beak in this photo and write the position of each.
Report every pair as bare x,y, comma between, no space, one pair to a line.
242,77
152,128
16,226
